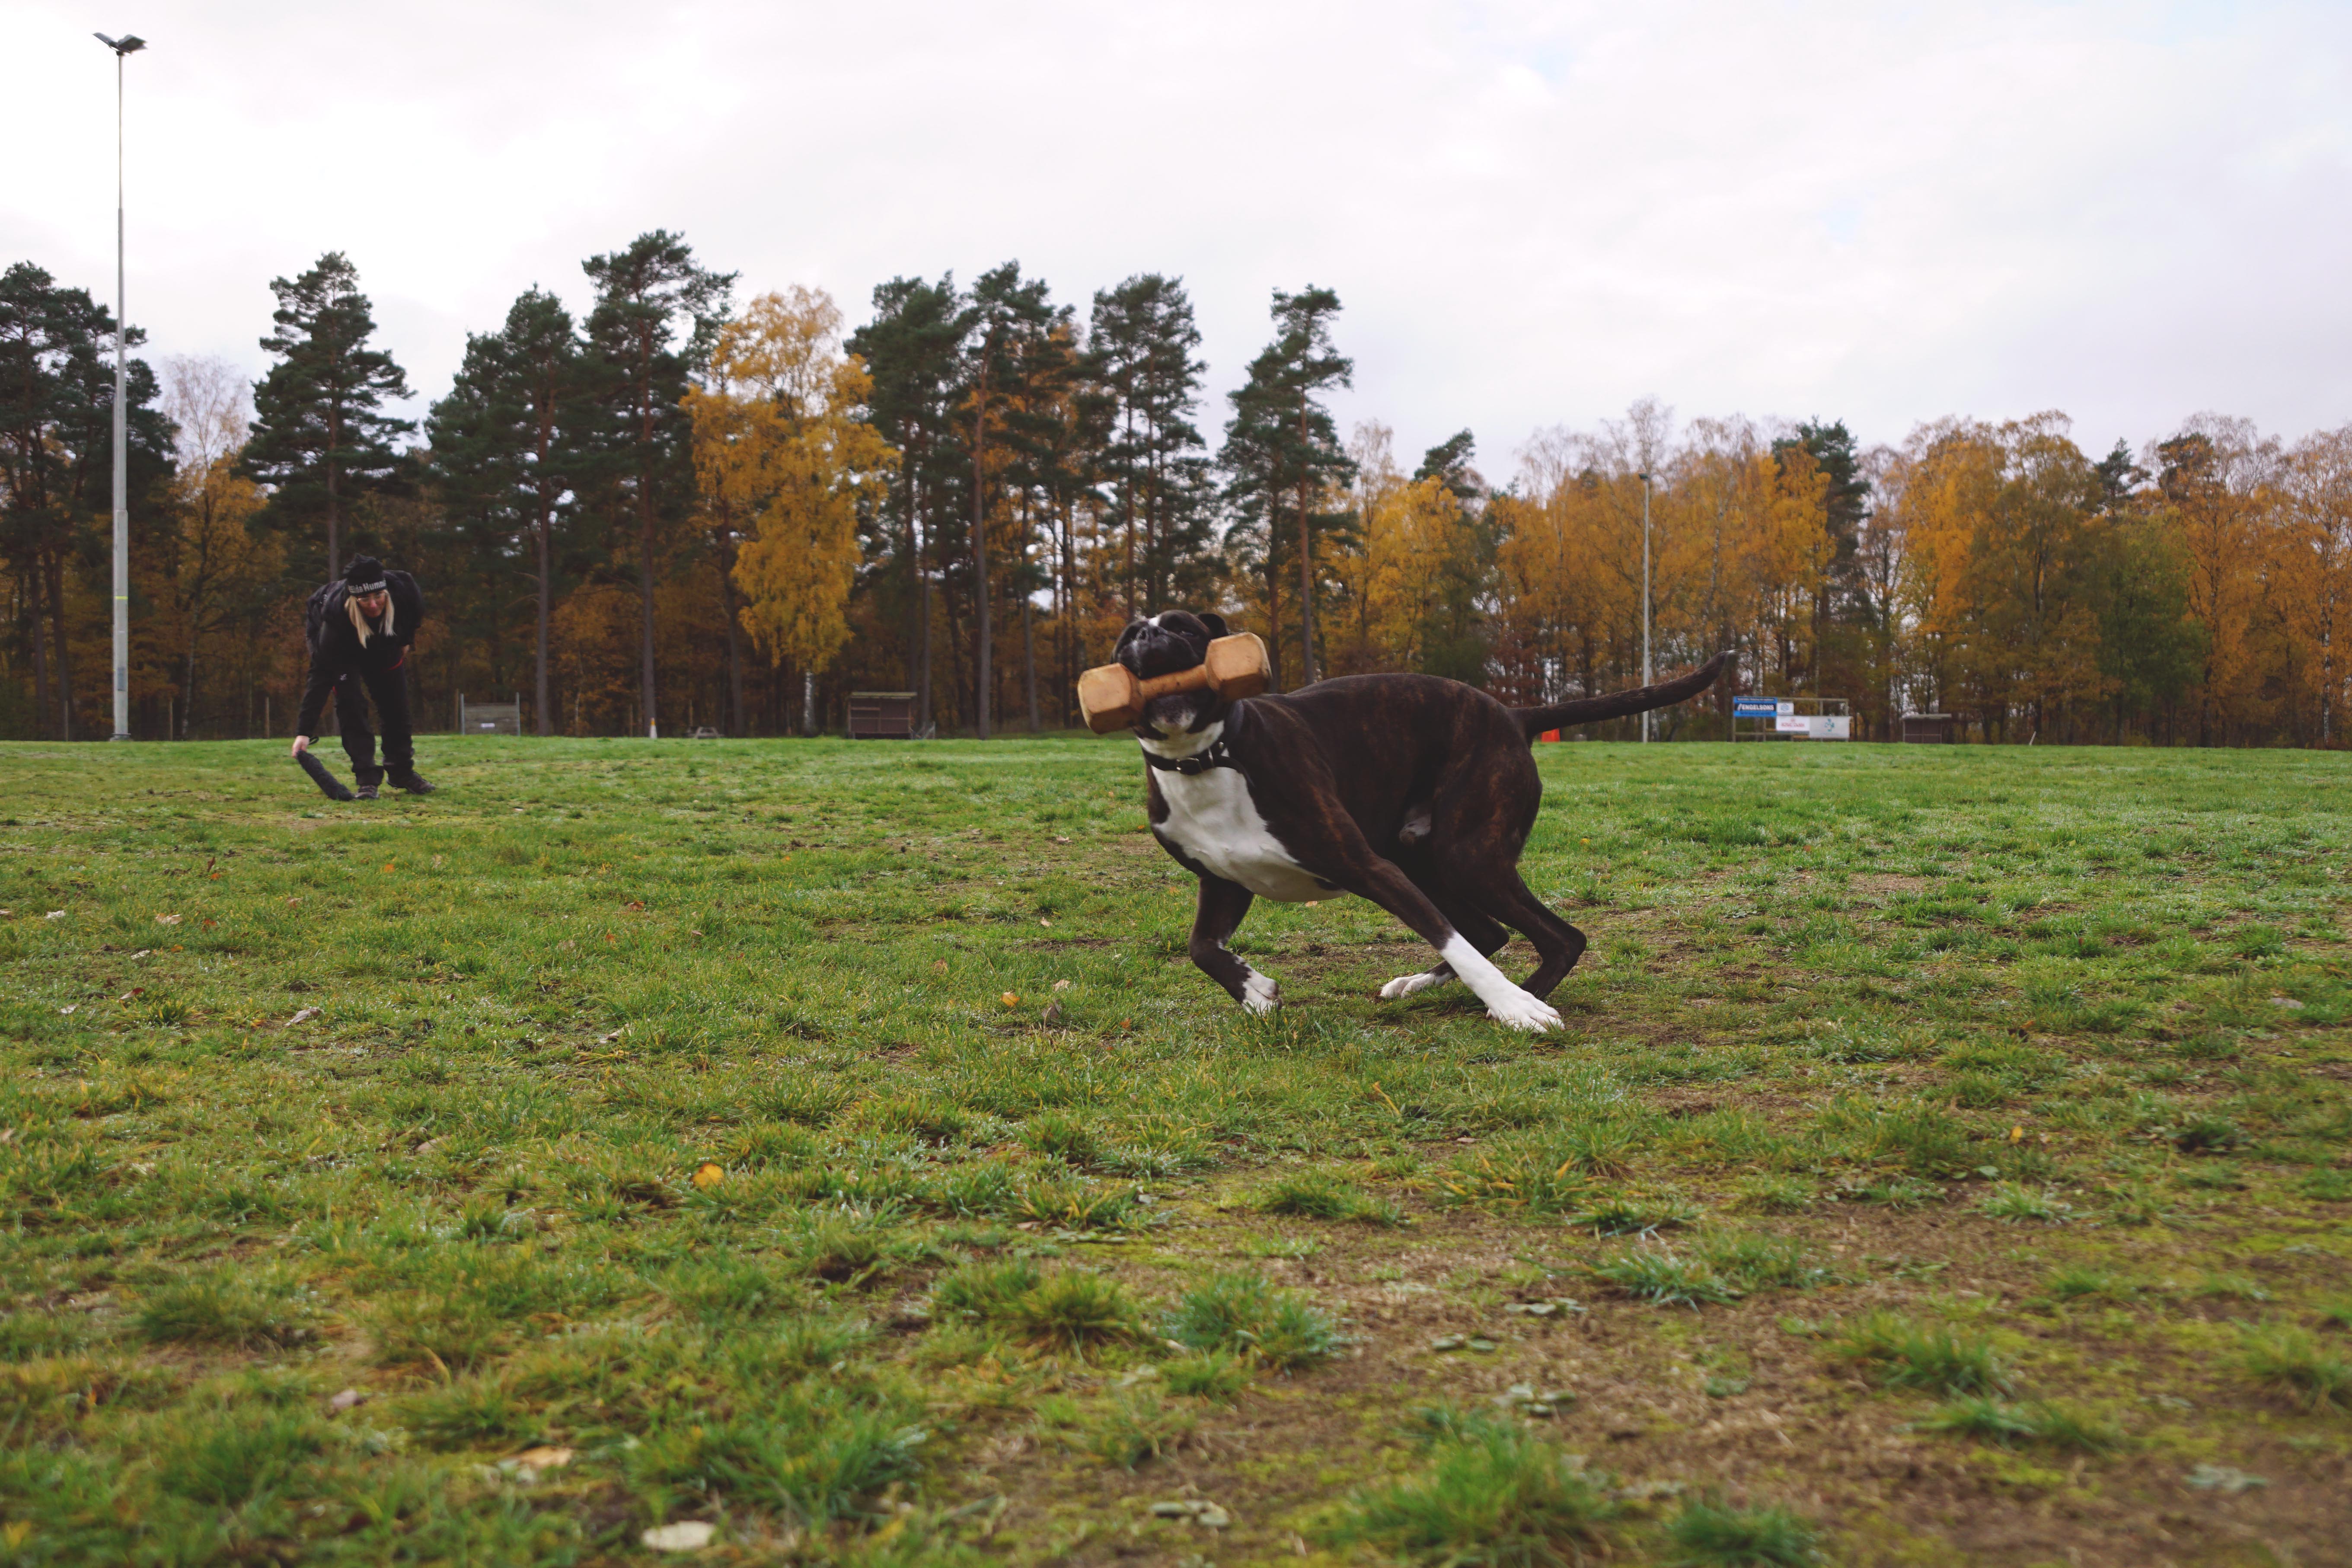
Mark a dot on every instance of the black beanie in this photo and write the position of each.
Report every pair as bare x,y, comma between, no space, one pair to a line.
365,575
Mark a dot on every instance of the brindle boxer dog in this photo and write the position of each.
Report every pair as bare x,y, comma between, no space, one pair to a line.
1411,791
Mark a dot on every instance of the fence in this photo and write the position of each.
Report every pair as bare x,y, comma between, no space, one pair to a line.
490,718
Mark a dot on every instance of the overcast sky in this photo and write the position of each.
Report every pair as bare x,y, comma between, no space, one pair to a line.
1533,213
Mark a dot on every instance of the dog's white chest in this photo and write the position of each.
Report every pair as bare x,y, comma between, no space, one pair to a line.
1215,823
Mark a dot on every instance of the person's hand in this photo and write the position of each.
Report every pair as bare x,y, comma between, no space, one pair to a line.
302,744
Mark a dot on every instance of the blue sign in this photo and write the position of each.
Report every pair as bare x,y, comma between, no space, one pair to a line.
1755,707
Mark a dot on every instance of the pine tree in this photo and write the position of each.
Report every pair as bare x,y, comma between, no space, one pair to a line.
1140,360
1042,434
912,348
1282,452
56,413
1449,461
1006,313
1451,637
318,435
506,446
645,294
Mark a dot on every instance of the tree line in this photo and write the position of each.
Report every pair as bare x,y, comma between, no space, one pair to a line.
688,507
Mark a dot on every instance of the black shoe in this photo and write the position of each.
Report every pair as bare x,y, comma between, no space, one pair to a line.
366,792
412,782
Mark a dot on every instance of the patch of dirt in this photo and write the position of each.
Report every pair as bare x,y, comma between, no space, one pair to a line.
1642,1409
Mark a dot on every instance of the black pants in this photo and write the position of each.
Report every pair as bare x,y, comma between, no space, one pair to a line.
390,689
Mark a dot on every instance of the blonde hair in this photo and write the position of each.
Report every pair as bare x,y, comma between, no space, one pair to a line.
359,621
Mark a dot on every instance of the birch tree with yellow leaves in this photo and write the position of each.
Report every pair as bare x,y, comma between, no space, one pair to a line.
213,563
783,462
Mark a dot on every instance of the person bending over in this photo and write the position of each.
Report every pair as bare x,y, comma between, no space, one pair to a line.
359,630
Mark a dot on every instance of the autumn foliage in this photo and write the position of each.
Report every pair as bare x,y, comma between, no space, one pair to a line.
684,509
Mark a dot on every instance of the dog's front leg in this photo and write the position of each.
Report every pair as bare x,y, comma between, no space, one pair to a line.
1222,905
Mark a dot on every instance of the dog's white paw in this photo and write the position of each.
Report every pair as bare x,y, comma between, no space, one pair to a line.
1259,995
1524,1011
1405,986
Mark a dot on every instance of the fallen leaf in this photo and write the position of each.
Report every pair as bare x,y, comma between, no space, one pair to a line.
691,1535
1011,999
2017,1134
938,965
387,865
608,1039
69,1007
696,932
304,1016
143,953
707,1175
346,1400
167,919
293,901
1061,838
544,1459
1061,986
1046,923
55,915
2222,1478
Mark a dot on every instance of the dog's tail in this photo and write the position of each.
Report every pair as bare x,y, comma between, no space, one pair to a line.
1534,721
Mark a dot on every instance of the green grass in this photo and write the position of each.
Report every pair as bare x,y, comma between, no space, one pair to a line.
1899,1353
1992,1421
1712,1534
2315,1372
1493,1495
663,1104
1242,1313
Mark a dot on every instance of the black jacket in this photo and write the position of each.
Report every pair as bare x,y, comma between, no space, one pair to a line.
335,649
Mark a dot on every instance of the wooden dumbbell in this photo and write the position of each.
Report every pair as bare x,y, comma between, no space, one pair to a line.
1112,697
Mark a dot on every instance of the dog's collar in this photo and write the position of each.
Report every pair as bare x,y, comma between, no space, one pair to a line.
1216,755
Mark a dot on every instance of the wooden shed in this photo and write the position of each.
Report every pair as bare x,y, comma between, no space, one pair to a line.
1932,727
881,715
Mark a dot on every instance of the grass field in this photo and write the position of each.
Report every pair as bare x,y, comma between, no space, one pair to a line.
1945,1160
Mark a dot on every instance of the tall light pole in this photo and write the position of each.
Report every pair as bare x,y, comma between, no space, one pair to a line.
1646,599
127,45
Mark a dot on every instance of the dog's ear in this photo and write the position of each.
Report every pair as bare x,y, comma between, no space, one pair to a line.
1213,621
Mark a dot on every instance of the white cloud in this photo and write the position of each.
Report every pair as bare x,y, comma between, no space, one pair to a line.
1533,212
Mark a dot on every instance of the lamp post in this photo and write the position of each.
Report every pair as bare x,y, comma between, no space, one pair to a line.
1646,599
128,45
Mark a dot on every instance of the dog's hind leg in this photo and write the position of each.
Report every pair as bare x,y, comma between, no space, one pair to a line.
1502,895
1483,933
1385,884
1218,916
